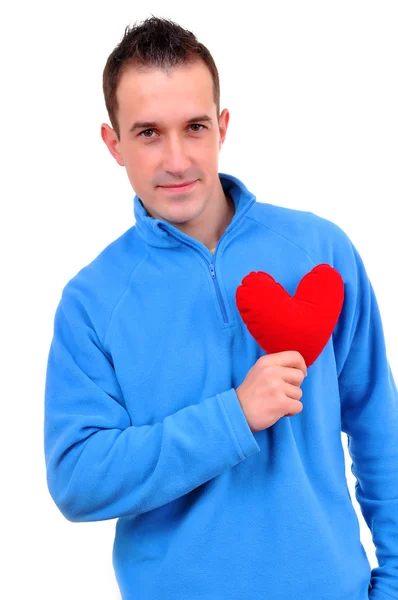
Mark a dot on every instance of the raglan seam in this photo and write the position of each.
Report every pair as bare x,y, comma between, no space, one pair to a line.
121,297
282,236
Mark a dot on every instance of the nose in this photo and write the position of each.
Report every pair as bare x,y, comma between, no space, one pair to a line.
176,156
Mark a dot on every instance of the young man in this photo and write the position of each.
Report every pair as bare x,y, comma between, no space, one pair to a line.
158,400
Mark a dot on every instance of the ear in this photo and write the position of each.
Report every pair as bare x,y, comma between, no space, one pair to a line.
224,120
110,138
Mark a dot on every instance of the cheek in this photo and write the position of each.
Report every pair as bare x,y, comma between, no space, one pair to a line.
139,164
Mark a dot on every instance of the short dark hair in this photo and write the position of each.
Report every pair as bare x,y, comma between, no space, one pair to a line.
156,42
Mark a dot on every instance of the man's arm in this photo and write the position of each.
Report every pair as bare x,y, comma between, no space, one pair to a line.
369,413
99,465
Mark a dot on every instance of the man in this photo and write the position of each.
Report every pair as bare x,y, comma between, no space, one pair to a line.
162,410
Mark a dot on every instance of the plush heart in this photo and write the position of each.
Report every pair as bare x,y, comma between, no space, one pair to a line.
303,322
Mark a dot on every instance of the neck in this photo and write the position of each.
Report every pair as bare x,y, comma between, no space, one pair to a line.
228,213
212,223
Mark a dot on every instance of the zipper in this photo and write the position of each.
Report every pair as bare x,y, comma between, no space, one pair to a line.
213,276
218,291
211,265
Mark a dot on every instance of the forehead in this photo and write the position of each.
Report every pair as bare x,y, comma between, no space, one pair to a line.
150,88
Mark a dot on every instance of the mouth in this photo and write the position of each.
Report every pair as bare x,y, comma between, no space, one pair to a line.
186,187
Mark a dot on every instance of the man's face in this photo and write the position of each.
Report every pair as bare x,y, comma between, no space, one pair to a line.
179,148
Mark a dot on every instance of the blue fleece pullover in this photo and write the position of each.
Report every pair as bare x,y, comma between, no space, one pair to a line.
143,424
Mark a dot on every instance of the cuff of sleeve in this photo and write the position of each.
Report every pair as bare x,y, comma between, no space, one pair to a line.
242,435
376,594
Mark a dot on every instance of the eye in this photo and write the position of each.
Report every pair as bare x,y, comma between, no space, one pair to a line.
192,125
140,134
197,125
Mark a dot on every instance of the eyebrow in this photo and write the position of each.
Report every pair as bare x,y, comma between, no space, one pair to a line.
145,124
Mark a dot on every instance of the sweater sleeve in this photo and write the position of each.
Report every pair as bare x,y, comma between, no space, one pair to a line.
369,413
100,466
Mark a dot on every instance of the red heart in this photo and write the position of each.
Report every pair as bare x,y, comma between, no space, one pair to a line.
303,322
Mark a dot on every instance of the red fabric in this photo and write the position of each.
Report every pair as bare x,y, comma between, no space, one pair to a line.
303,322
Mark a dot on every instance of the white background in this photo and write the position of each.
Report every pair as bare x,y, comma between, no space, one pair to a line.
313,95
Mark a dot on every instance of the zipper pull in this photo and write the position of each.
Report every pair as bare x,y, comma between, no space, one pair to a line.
212,271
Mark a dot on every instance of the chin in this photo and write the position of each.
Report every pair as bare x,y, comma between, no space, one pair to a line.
184,213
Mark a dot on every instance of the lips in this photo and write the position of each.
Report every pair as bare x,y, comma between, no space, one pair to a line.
178,184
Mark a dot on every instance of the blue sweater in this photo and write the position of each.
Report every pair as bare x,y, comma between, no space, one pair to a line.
143,424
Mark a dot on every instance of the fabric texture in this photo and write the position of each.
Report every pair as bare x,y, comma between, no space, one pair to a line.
143,423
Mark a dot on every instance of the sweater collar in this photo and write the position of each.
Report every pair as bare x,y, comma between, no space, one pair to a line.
160,233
